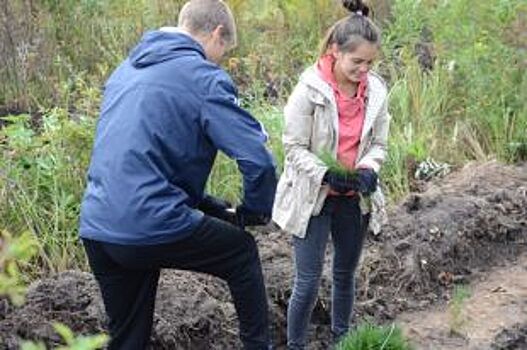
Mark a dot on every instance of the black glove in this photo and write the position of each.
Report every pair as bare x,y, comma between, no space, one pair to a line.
368,179
217,207
341,183
246,217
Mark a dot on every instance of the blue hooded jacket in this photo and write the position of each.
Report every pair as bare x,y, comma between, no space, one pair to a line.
166,111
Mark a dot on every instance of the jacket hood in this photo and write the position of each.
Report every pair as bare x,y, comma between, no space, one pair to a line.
160,46
311,78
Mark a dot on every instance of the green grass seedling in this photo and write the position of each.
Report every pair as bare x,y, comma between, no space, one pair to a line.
371,337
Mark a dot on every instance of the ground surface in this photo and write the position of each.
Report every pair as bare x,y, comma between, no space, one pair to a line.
470,229
493,316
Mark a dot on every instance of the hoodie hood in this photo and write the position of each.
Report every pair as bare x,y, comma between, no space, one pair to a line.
160,46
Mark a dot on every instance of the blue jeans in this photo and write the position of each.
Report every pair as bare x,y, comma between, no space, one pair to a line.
342,217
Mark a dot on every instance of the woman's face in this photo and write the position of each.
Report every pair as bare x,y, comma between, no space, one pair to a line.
352,65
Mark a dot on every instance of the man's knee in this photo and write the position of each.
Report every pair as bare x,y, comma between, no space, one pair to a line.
250,243
247,261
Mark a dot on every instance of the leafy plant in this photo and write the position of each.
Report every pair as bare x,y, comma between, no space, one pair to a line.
73,342
14,252
17,251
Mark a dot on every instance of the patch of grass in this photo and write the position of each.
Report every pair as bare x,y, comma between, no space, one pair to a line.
455,308
371,337
42,177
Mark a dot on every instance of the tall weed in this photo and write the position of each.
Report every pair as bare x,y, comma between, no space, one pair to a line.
41,182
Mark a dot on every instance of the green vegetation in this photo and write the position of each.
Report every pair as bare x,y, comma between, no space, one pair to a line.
371,337
457,72
472,105
72,341
41,182
455,308
14,253
336,166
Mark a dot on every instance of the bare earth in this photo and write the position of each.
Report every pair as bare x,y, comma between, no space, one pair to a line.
469,228
497,302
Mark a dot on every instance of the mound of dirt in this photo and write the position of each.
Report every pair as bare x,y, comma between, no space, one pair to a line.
511,339
469,222
193,311
71,298
472,220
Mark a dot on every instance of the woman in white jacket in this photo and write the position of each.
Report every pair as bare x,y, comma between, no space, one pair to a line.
339,106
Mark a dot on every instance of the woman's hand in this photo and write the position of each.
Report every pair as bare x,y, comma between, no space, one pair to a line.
340,183
367,181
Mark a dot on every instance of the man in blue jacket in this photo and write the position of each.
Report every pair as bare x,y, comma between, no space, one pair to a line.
167,110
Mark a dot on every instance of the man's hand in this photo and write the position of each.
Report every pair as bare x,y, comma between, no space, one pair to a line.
246,217
217,208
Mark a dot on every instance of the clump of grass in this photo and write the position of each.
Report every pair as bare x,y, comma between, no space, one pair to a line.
455,309
336,167
372,337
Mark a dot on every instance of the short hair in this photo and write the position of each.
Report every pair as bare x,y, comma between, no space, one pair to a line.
203,16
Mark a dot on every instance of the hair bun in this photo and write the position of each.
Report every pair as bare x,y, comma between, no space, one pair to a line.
356,6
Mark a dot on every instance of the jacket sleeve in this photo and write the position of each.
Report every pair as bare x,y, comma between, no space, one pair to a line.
241,137
299,114
376,152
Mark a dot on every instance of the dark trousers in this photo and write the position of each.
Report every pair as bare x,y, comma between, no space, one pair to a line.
128,277
341,218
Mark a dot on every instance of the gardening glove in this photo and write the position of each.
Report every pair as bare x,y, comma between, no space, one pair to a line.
217,207
246,217
340,183
367,181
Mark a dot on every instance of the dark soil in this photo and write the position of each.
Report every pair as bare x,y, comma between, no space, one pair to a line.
511,339
471,221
